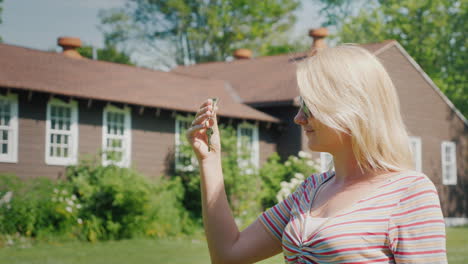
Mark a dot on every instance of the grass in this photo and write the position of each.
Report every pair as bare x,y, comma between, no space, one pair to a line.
173,251
457,244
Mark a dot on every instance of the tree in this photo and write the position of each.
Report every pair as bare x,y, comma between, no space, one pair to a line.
433,32
193,31
109,53
1,10
286,45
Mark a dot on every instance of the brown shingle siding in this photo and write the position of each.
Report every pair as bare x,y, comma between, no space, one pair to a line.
31,141
267,143
152,137
89,129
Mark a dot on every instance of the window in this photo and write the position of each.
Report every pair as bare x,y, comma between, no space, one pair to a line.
116,136
415,144
449,163
62,132
184,160
247,147
326,161
9,128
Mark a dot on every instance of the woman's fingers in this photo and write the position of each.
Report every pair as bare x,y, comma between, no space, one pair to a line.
191,131
203,110
207,105
202,117
206,110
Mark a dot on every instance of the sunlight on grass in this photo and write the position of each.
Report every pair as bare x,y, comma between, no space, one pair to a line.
171,251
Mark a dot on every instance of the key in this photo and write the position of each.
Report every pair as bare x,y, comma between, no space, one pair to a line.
209,131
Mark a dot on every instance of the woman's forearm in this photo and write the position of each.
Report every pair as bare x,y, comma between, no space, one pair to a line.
220,227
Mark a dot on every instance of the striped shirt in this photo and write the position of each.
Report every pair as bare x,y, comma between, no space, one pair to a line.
399,222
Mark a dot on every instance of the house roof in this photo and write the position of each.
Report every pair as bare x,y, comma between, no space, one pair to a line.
259,80
267,80
264,79
49,72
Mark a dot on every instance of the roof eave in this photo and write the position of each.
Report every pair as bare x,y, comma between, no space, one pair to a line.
267,118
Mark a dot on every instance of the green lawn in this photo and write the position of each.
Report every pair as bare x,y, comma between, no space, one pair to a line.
171,251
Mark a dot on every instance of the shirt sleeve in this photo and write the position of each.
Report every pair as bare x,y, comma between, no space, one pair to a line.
277,217
416,227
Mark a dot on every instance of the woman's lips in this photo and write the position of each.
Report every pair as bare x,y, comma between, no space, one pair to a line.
309,131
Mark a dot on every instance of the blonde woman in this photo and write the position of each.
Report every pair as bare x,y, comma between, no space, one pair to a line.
373,208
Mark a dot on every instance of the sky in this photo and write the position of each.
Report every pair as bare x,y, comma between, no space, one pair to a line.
38,23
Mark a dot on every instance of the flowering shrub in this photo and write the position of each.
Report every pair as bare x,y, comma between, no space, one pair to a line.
96,203
121,203
32,208
66,204
279,178
288,187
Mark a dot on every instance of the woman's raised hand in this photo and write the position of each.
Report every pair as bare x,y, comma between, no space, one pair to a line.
197,136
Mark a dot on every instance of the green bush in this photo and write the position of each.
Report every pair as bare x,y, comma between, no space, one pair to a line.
95,203
121,203
167,215
36,207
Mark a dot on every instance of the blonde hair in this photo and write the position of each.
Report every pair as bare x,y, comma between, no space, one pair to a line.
348,89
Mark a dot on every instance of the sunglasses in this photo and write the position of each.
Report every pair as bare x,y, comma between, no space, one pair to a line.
305,109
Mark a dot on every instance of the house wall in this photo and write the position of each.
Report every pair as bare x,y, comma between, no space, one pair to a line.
31,140
428,116
153,138
267,142
153,142
289,139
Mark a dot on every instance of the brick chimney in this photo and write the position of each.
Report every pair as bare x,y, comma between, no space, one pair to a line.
319,35
243,54
69,45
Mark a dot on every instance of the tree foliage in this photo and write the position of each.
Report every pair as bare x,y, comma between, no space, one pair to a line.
109,53
433,32
193,31
1,10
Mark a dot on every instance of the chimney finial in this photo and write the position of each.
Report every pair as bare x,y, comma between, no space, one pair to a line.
242,54
318,34
69,45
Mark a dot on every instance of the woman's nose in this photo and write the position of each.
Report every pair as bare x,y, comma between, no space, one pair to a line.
300,118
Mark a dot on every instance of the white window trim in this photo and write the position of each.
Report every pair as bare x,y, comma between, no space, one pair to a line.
178,142
73,159
12,157
254,158
126,160
325,159
418,155
452,179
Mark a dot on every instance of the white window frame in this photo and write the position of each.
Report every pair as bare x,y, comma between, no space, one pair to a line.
126,137
12,128
255,156
417,152
181,120
449,178
325,159
73,133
